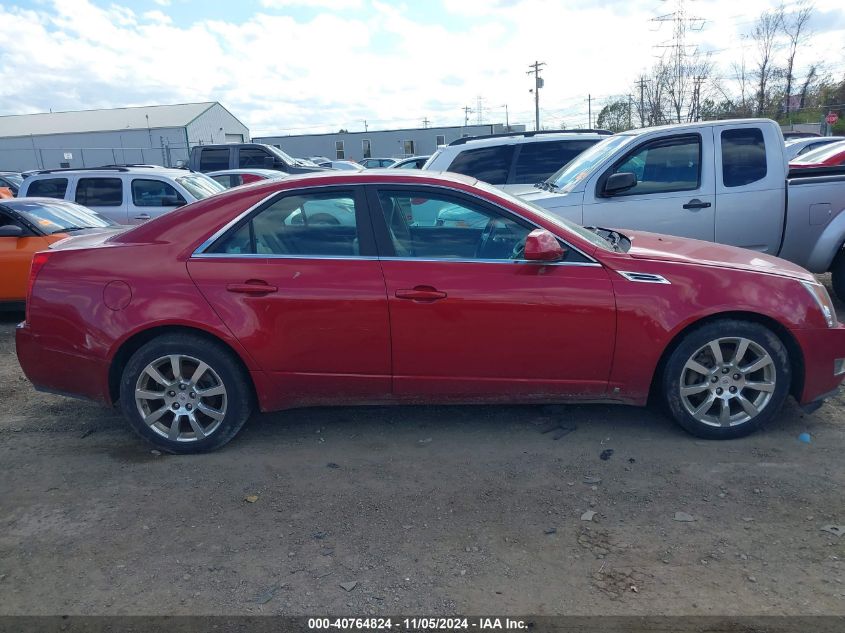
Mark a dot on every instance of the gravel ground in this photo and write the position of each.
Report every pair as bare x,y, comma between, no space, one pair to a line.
426,510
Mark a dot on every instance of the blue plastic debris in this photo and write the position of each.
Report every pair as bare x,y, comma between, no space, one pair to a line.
805,437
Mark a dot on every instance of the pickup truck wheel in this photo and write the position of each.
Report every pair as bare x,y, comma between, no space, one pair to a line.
185,394
726,379
838,275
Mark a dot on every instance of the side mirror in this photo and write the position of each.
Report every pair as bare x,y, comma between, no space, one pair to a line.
10,230
617,183
269,162
542,246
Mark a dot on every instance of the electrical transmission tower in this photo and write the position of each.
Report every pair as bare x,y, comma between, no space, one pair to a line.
681,57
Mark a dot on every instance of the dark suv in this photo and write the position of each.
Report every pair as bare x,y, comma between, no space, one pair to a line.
207,158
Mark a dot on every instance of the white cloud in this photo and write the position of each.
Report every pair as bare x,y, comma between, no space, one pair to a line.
313,4
162,3
337,69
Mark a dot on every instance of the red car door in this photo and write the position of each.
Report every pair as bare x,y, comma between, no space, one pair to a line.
470,319
298,284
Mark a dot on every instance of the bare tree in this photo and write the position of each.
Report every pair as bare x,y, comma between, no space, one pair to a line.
794,26
764,34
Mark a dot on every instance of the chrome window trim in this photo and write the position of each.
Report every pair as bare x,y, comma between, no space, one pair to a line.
199,252
393,259
644,278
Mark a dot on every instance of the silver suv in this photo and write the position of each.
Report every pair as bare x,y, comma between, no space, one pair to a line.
515,160
126,194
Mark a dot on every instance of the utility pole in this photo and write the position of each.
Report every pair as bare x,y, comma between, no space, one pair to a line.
507,123
538,83
365,125
479,109
630,111
426,122
589,111
641,83
467,110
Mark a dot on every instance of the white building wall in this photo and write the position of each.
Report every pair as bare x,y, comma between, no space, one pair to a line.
213,126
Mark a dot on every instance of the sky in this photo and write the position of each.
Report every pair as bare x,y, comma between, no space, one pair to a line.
303,66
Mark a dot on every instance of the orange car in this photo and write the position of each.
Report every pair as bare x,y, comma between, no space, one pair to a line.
28,225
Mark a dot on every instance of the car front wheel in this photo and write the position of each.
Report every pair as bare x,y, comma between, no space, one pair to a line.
185,394
726,379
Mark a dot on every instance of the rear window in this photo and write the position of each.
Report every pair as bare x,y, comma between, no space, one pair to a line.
539,160
99,192
48,188
490,164
214,159
743,156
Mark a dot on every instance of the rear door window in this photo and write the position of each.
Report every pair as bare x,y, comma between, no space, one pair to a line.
212,159
48,188
743,156
539,160
99,192
307,224
490,164
155,193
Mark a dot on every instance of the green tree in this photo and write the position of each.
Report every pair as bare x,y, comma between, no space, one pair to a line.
615,116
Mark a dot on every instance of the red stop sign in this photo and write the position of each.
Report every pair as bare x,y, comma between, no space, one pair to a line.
832,118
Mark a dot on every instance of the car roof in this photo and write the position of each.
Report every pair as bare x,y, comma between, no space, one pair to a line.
520,138
154,170
245,170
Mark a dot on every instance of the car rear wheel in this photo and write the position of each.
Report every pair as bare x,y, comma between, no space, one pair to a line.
185,394
726,379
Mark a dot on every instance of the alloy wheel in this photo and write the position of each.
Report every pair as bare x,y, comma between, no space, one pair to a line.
181,398
727,382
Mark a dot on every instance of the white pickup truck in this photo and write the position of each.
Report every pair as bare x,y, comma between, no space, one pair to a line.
721,181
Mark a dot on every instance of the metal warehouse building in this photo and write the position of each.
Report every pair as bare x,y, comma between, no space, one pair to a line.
381,143
159,135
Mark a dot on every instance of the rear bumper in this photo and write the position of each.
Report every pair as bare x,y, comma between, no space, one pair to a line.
821,349
60,372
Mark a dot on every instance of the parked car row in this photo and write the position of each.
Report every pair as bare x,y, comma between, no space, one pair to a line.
268,306
276,290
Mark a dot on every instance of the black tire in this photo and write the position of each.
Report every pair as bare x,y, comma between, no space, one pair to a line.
837,268
233,407
674,373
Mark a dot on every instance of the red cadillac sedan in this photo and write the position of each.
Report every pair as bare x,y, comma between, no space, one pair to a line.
330,289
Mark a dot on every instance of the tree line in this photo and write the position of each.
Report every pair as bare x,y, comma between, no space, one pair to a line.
683,85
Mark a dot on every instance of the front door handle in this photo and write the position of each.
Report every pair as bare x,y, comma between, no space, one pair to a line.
425,294
252,287
143,216
695,203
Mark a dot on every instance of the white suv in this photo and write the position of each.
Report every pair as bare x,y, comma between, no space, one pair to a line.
126,194
513,161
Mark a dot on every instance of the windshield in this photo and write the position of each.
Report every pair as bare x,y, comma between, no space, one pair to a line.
572,173
290,160
56,217
566,225
200,186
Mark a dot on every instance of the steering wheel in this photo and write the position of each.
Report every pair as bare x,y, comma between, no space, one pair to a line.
485,237
518,251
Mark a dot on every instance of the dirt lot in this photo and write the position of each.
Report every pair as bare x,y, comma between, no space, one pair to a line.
430,510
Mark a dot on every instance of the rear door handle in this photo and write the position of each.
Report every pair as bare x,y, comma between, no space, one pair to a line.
252,288
421,293
695,203
143,216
